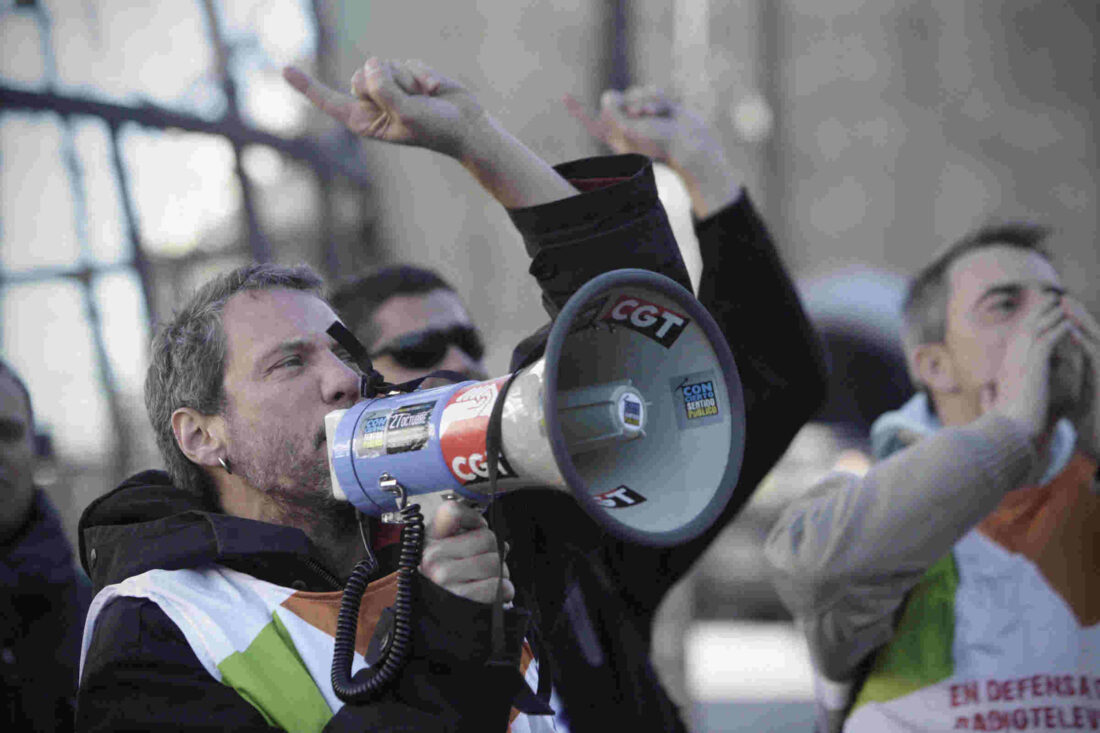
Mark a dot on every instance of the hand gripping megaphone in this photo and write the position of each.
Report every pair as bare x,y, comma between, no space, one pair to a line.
635,409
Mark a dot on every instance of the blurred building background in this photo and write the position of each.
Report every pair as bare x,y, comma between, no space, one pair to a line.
145,146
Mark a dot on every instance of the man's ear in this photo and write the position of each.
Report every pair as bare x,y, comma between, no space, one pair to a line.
932,365
200,437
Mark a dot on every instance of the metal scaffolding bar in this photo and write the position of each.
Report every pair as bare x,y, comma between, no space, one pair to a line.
138,259
159,118
121,440
326,72
257,241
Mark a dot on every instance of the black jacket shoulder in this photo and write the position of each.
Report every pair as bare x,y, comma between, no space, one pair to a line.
140,671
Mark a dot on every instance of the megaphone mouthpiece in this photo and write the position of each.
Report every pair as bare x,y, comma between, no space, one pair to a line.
599,415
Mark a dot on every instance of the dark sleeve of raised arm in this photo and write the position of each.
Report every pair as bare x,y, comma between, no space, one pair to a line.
617,221
779,355
782,369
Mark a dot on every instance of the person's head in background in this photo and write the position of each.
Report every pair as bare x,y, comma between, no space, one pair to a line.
961,310
412,323
17,456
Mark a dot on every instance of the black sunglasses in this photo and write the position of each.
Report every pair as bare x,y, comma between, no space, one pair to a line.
424,349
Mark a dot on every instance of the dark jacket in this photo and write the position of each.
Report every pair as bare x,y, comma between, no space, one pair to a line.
42,609
595,596
591,597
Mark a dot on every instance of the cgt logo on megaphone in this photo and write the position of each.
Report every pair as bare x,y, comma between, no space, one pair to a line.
619,498
462,428
649,319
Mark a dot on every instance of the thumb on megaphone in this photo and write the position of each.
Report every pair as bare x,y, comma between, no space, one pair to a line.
452,518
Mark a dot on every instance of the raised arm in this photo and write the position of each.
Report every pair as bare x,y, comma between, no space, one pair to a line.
407,103
847,553
779,358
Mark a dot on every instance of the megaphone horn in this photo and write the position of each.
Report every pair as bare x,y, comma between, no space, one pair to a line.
635,409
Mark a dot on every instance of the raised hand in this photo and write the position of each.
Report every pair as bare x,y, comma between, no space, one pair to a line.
407,103
645,120
1021,390
402,102
461,554
1086,419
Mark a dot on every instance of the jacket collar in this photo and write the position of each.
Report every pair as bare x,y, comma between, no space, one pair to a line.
147,523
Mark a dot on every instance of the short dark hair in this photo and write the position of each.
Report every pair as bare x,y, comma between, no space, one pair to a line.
357,299
187,360
6,370
924,308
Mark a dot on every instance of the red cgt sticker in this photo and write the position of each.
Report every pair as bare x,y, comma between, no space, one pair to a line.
462,428
619,498
649,319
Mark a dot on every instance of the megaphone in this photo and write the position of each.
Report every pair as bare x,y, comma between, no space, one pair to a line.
635,409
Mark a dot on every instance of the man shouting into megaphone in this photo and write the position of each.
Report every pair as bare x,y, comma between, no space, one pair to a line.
218,582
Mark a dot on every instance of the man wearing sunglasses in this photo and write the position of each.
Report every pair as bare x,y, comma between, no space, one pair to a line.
412,322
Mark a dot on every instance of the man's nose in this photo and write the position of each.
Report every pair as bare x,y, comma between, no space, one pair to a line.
340,383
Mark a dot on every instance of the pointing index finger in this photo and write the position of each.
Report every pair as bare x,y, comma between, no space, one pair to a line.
334,104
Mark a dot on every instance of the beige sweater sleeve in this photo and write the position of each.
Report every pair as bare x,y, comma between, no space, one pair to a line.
846,553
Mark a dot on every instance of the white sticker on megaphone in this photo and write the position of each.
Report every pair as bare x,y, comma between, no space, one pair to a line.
630,411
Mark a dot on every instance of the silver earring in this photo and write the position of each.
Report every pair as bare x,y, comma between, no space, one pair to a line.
225,464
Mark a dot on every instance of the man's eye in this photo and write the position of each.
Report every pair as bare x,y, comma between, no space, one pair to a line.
290,361
1004,306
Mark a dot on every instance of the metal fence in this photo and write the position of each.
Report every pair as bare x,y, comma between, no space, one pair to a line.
316,209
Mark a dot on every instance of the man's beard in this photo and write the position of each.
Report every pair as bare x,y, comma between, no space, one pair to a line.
295,479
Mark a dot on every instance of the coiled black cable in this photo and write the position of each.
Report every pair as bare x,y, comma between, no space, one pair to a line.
368,683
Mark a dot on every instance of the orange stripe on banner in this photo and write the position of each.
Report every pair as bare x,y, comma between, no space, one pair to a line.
321,610
525,660
1056,526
